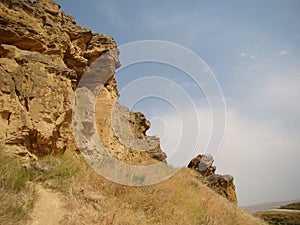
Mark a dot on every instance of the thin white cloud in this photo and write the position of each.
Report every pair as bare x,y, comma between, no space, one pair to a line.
251,56
282,53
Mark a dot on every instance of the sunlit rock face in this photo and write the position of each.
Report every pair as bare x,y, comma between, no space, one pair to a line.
43,56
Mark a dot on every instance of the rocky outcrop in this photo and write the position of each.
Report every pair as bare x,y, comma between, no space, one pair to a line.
43,56
222,184
203,164
36,96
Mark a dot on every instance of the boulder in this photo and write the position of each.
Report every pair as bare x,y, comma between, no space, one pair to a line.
203,164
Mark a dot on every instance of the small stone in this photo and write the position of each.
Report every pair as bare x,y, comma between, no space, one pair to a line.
41,166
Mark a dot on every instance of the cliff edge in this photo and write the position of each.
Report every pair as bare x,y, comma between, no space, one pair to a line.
43,55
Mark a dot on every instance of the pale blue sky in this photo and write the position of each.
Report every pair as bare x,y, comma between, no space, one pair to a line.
253,48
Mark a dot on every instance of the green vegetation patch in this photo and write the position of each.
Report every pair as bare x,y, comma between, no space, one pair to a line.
293,206
279,217
16,192
18,180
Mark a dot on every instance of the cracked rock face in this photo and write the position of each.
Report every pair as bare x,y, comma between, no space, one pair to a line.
36,95
43,56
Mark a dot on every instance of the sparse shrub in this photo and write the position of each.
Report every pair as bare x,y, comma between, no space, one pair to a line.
17,183
16,193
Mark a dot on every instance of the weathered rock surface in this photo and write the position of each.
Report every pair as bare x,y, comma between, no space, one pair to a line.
43,56
203,164
35,98
222,184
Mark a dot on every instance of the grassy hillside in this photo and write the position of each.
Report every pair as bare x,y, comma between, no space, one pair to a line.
90,199
279,217
285,215
293,206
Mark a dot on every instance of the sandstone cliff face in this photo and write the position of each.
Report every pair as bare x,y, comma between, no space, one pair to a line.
43,55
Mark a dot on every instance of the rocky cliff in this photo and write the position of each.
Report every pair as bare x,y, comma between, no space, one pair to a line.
43,55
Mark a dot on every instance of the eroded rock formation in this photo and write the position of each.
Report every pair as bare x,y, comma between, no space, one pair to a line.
43,55
203,164
222,184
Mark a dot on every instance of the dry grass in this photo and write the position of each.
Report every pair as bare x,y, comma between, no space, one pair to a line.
279,217
16,194
90,199
17,184
182,199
